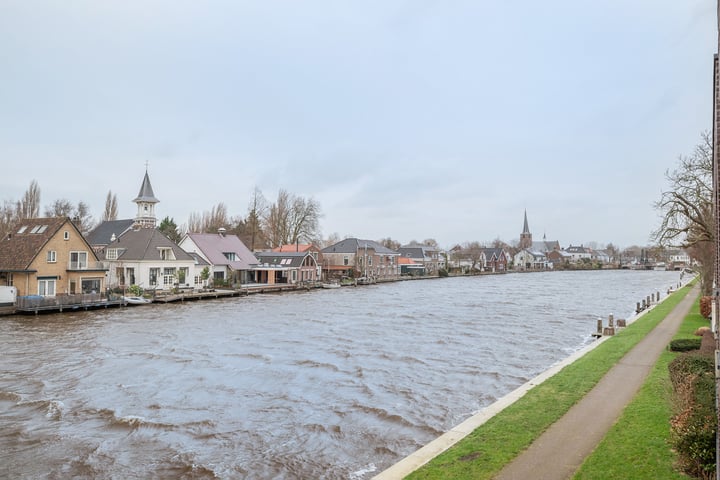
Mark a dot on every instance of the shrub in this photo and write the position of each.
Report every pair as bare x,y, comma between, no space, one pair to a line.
685,344
442,273
135,290
694,424
706,306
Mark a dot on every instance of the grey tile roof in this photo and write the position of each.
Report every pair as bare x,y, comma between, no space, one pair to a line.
354,245
214,246
145,244
146,192
275,259
102,234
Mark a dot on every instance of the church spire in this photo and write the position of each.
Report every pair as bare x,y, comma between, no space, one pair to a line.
525,236
146,201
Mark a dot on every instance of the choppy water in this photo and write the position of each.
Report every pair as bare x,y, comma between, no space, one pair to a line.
330,384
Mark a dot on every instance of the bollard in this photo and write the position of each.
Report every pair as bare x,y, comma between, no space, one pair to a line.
644,305
611,321
653,298
658,297
608,331
599,326
621,323
637,310
648,301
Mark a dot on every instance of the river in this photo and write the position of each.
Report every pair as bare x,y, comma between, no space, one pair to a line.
328,384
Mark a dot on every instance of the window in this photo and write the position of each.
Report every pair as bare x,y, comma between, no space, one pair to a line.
51,256
66,236
154,274
346,260
294,276
91,285
46,287
39,229
166,254
230,256
112,254
22,229
168,275
78,260
370,261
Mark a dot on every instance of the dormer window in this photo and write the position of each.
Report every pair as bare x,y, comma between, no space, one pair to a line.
166,254
230,256
22,229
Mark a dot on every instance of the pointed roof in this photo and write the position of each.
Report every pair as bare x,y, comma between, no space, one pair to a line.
19,248
214,247
146,192
103,233
526,229
145,244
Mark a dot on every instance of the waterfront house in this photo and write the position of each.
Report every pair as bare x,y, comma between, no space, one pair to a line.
468,258
600,256
579,253
530,260
229,259
678,259
149,259
425,255
49,257
354,257
285,267
410,267
558,257
495,259
310,248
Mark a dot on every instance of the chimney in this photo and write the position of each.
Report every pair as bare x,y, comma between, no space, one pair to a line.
221,231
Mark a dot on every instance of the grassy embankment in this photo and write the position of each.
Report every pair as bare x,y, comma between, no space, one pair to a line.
484,452
637,446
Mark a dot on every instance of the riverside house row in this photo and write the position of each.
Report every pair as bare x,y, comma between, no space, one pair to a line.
49,257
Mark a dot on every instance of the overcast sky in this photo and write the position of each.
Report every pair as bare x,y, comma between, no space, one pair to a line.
405,119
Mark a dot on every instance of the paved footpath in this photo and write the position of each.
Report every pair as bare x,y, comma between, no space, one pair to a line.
559,452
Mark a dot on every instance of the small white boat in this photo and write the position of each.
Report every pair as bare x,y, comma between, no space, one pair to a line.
330,285
135,300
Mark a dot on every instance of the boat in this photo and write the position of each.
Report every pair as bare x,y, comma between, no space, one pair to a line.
330,285
136,300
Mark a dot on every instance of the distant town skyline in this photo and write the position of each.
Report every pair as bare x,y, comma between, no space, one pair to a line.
408,120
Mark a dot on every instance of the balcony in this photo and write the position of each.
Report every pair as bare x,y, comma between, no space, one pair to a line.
84,265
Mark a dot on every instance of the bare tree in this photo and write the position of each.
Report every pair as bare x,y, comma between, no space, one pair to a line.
8,219
79,214
256,210
292,219
29,206
111,207
60,208
686,207
390,243
473,252
209,221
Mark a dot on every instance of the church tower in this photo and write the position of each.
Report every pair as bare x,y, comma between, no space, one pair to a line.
525,236
146,201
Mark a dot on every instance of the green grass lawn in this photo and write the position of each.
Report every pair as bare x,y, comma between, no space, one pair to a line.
491,446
